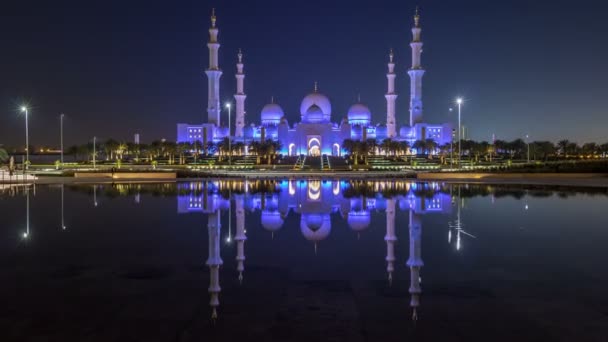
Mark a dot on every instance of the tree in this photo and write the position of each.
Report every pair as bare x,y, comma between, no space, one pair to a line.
430,146
590,149
3,156
108,147
563,147
419,146
387,146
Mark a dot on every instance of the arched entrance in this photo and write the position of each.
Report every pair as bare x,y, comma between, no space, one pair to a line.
292,149
314,146
336,150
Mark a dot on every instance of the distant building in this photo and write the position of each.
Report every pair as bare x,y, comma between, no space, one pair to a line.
315,134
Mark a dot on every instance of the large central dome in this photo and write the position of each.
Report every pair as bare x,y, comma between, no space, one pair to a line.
322,104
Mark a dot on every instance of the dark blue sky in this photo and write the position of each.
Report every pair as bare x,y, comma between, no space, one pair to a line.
118,67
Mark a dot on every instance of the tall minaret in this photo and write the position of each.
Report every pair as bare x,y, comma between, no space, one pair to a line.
240,98
214,261
213,75
241,236
415,262
390,238
416,72
391,127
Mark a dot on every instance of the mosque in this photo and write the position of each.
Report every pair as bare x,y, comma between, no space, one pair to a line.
316,134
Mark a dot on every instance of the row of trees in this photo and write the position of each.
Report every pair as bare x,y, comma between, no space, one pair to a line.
112,150
538,150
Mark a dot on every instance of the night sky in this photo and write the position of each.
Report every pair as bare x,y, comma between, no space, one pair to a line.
120,67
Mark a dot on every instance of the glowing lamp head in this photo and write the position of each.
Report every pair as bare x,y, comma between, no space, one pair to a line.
228,105
459,100
25,235
23,109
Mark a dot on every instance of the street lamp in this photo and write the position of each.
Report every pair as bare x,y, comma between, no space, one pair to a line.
27,137
459,102
61,135
229,106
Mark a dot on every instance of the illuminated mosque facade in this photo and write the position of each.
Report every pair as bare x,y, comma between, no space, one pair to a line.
315,134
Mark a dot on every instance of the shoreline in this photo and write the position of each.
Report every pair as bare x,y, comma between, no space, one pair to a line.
548,179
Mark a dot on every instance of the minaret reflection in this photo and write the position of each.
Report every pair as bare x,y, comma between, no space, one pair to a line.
415,262
214,261
390,238
241,236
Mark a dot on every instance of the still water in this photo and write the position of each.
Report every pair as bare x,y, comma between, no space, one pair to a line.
295,260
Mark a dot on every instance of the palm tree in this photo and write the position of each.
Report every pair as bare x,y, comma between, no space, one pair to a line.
430,146
386,146
171,151
404,146
372,145
604,149
573,148
419,146
563,147
109,146
590,149
182,148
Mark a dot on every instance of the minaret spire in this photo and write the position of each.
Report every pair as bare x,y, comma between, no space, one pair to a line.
391,97
416,72
240,97
316,87
213,74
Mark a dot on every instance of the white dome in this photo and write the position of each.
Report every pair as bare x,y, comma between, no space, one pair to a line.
317,99
359,114
272,114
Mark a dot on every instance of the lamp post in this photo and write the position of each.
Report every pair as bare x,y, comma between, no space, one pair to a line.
27,137
459,102
61,135
229,136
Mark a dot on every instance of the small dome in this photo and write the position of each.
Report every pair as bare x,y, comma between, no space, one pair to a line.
272,114
317,99
359,114
272,220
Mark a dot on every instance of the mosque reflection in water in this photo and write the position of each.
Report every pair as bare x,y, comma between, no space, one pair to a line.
314,201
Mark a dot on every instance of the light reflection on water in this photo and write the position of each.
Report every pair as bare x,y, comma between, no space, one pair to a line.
232,210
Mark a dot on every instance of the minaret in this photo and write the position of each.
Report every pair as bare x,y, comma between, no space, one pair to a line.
390,238
391,126
416,72
213,75
240,236
214,261
415,262
240,98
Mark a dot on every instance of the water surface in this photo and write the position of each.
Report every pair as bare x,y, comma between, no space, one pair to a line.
303,260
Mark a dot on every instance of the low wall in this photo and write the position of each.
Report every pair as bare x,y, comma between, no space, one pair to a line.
506,176
127,175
